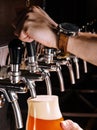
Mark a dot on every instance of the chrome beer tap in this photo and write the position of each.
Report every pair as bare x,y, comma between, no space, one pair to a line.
10,91
48,63
15,52
16,75
52,59
34,68
67,62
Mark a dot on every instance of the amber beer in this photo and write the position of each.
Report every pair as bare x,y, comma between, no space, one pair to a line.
44,113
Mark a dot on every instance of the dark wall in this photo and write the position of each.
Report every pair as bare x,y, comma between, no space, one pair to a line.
75,11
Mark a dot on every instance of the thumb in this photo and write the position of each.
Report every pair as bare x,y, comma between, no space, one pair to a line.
65,125
69,125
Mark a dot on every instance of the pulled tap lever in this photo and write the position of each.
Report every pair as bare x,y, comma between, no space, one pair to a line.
31,52
34,67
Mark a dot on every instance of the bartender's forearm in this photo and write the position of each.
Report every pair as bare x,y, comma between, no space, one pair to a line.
84,46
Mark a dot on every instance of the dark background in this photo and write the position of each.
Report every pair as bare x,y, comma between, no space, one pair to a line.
74,11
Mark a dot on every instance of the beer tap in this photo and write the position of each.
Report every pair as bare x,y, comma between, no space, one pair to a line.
16,75
67,62
48,63
52,62
34,68
11,89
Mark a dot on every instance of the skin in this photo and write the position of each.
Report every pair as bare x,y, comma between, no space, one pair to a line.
70,125
84,46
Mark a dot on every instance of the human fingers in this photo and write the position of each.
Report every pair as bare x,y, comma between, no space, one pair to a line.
35,25
70,125
36,13
41,34
25,38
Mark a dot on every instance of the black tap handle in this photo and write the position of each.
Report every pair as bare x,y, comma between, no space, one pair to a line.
16,49
31,49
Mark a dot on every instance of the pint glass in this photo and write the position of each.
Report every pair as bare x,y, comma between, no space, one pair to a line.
43,113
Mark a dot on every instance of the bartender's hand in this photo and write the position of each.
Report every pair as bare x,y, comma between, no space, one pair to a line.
70,125
35,24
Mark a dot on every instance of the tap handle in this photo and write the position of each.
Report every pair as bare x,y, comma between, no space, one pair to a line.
16,49
31,52
31,49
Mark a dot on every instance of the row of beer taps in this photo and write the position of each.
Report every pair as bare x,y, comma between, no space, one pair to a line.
31,62
37,68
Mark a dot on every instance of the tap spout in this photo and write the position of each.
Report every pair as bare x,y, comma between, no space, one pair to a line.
12,97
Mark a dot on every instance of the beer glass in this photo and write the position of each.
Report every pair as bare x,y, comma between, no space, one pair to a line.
44,113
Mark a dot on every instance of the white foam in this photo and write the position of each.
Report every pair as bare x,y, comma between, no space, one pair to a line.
44,107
